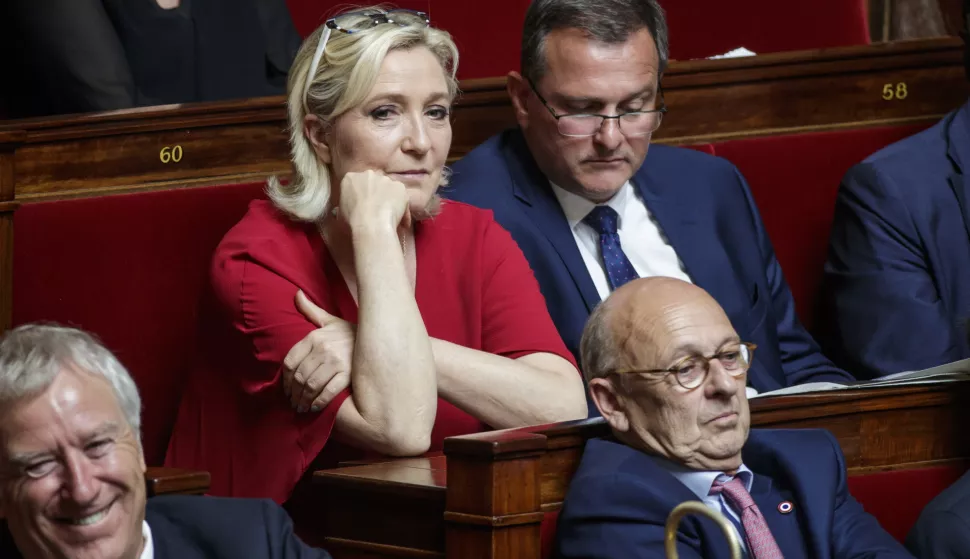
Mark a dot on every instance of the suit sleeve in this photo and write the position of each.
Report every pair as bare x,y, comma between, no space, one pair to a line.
282,542
515,320
886,310
940,535
856,534
801,357
606,517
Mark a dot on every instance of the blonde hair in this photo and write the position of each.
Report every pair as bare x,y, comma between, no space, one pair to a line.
347,72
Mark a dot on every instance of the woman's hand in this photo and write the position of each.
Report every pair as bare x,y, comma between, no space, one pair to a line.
317,368
372,198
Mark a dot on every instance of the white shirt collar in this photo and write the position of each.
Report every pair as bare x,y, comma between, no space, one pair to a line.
575,207
147,552
700,481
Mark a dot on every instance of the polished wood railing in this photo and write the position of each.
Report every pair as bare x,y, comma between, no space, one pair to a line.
243,141
487,495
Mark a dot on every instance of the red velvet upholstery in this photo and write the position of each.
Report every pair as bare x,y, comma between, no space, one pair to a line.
794,180
896,498
129,268
547,534
702,28
487,38
488,34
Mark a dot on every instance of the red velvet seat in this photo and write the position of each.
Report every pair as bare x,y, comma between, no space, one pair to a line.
488,39
794,179
488,36
896,498
129,268
703,28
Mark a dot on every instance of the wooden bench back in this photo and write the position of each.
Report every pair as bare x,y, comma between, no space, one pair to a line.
488,496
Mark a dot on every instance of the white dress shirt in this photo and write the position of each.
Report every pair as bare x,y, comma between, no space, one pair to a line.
147,552
700,483
640,237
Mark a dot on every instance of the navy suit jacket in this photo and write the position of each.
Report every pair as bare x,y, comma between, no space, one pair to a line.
705,210
190,527
897,280
619,500
943,528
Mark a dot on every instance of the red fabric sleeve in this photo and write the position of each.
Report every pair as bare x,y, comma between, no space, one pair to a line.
252,288
515,321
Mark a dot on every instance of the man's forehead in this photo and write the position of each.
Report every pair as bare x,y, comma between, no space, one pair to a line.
76,402
662,330
575,61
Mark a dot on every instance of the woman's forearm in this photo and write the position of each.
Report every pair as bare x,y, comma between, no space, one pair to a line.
393,371
502,392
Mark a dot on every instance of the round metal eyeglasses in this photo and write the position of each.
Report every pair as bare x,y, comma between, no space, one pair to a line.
691,371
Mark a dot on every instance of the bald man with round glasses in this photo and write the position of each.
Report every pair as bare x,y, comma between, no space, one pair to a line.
667,371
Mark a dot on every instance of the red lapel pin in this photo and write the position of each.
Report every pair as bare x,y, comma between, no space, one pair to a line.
785,507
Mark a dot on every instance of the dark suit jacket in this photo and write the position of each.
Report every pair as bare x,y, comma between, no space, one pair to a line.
897,280
620,498
943,528
188,527
706,211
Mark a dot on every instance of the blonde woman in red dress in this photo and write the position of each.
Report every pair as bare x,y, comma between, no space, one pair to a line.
354,314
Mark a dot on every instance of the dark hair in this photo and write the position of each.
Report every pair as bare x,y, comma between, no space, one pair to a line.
608,21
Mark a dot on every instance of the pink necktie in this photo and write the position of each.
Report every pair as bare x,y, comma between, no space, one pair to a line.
761,544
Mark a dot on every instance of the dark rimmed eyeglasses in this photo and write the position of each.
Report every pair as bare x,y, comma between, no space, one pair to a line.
691,371
355,22
632,123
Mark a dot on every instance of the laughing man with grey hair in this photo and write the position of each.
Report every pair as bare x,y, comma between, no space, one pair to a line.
72,470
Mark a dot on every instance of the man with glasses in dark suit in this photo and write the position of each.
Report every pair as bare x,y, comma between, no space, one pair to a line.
591,209
667,371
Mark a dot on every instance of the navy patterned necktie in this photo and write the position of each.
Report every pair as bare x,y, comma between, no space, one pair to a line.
619,270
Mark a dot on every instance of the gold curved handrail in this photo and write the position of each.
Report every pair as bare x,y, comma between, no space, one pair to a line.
697,507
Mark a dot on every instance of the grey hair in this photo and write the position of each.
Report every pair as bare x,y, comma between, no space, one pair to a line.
607,21
600,349
32,355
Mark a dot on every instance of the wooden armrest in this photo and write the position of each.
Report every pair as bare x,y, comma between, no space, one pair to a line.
175,481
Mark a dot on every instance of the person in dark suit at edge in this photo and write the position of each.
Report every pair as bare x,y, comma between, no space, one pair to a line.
942,530
895,292
590,207
72,470
667,371
75,56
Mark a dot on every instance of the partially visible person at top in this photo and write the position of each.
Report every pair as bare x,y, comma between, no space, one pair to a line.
355,314
75,56
594,205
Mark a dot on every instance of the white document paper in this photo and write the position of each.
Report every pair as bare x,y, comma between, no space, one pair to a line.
950,372
736,53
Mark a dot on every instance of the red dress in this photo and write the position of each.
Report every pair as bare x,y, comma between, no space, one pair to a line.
473,288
